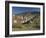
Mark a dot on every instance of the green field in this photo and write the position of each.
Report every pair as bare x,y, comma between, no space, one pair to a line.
35,25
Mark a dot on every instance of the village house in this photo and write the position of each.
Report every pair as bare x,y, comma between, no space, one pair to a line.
19,19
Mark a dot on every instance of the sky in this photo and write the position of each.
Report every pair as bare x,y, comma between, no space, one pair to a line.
17,10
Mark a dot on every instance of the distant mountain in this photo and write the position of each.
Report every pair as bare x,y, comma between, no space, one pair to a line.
35,13
25,13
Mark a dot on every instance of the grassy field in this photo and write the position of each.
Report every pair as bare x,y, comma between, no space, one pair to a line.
35,25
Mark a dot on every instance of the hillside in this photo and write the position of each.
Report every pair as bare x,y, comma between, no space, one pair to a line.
35,25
